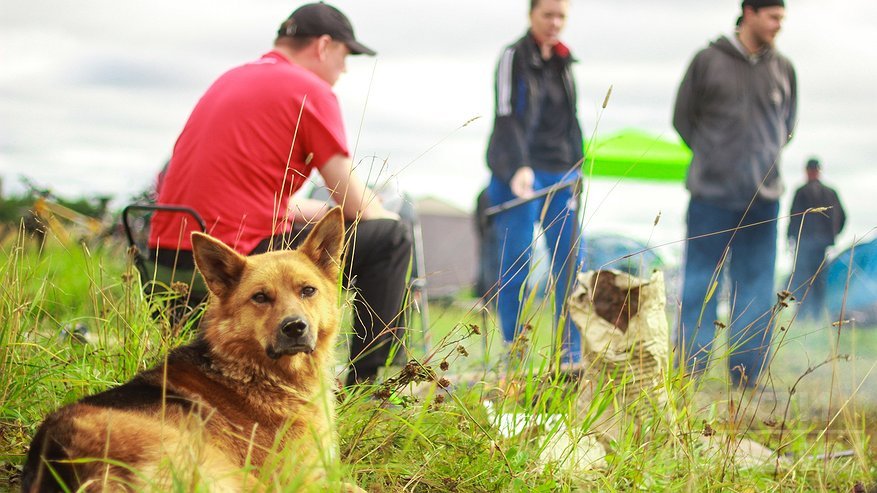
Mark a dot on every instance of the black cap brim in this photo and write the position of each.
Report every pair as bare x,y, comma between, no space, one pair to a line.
357,48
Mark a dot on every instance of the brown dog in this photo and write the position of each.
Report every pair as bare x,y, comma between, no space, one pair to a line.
247,406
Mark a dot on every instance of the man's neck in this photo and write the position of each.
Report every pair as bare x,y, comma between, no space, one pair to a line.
752,45
286,52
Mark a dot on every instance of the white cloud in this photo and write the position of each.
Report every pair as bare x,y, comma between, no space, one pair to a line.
93,94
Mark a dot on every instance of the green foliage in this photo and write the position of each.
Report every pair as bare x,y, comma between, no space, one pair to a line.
14,207
72,324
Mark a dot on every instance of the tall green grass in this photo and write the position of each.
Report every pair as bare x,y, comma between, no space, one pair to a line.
74,322
463,414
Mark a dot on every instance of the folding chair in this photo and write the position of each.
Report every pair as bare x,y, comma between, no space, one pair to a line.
417,286
160,281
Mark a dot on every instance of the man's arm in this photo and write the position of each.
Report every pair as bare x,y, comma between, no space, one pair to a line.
839,214
795,220
685,108
507,152
355,199
792,111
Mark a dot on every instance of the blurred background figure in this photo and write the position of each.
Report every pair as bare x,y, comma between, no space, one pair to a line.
736,110
810,234
536,143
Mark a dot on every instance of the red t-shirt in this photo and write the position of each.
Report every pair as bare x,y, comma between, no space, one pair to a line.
250,143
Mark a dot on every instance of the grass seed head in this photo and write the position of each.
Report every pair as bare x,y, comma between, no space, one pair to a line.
180,288
708,430
383,393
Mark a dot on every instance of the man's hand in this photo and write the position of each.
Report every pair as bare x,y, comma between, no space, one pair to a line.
522,182
385,214
306,211
355,199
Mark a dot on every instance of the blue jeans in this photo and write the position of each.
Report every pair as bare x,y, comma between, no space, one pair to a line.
514,236
750,264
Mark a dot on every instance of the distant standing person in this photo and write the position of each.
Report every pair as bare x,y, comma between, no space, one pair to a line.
736,108
813,238
536,141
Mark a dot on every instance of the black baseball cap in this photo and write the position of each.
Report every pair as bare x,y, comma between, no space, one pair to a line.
757,4
317,19
813,163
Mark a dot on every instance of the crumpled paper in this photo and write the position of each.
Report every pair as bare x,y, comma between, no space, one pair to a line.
625,332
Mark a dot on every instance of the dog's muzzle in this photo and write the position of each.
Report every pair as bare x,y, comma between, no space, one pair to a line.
294,336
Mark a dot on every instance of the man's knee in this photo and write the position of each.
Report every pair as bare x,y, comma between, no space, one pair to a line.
382,238
391,235
400,236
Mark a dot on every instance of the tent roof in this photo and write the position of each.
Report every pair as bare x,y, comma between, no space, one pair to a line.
634,153
851,278
435,206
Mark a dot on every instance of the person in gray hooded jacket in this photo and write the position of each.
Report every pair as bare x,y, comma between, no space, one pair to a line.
735,108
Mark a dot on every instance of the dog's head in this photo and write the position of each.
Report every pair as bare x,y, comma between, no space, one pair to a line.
274,309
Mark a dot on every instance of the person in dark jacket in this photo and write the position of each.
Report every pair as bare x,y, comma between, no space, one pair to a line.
536,142
810,234
736,108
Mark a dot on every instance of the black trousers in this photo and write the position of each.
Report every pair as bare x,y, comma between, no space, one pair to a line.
376,269
808,278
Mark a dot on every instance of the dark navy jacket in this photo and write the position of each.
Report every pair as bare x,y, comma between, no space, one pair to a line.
519,95
820,228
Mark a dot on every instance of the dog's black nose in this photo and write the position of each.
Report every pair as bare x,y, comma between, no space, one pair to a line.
293,327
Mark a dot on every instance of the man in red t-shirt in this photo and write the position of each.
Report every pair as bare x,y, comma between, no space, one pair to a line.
253,140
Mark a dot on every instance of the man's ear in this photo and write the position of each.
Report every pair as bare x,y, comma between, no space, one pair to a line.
322,43
220,266
324,244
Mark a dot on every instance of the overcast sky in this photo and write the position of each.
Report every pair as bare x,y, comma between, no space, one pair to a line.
94,93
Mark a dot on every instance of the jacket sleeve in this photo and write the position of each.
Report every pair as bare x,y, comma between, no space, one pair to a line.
839,216
576,134
685,109
507,150
795,221
792,114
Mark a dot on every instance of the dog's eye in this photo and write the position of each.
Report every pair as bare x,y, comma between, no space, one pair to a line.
308,291
260,298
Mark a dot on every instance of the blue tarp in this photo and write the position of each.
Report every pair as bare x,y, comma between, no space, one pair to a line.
859,265
602,251
608,251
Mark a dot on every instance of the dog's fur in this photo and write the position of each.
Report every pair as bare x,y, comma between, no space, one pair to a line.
252,393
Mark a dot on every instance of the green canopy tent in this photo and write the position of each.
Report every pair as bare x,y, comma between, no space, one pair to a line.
636,154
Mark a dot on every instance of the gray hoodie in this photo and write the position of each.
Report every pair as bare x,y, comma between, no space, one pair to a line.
736,113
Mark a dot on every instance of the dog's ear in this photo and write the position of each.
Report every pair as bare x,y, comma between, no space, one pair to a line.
325,242
220,266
